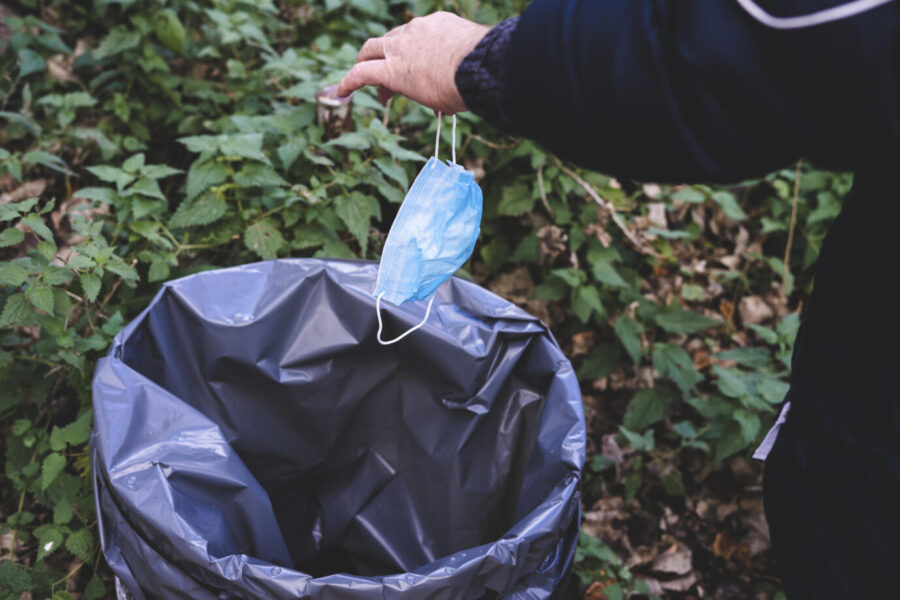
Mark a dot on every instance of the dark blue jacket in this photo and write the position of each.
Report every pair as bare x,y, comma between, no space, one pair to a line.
696,90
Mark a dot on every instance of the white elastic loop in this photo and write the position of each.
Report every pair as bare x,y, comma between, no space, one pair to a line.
828,15
437,137
453,142
407,332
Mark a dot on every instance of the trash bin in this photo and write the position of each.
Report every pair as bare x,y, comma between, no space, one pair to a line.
253,440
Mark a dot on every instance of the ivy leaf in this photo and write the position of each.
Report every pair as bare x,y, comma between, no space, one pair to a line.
16,311
646,408
264,239
41,296
516,200
52,466
90,284
629,332
675,363
203,210
11,237
684,322
81,544
356,211
11,274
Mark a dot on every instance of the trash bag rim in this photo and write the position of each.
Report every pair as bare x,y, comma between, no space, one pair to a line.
562,493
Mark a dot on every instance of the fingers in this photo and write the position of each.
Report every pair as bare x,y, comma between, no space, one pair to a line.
370,72
373,49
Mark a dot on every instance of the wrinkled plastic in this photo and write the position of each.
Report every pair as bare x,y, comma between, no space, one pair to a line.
253,440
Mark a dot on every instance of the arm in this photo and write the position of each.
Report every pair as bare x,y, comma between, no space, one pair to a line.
694,90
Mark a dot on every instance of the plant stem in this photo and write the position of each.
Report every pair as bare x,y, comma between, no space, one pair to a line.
790,240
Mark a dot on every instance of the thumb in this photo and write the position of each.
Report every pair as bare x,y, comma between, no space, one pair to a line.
370,72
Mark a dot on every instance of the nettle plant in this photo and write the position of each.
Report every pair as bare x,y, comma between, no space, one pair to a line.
142,141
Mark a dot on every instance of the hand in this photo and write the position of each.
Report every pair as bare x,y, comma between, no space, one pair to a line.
418,60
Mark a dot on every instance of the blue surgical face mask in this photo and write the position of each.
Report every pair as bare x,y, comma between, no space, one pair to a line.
433,234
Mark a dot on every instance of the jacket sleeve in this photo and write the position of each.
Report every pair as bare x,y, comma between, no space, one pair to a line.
693,90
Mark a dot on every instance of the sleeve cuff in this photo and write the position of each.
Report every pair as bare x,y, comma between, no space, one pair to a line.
479,77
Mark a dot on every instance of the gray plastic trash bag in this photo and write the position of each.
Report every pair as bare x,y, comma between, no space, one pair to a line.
253,440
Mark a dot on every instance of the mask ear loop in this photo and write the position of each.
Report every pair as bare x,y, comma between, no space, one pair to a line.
402,335
437,138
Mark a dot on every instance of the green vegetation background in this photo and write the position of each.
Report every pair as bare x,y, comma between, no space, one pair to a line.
146,140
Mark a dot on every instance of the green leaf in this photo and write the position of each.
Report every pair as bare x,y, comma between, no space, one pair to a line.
122,270
352,140
629,333
731,441
30,62
264,239
748,357
16,311
12,274
118,40
767,335
52,466
392,170
41,297
90,284
729,382
646,408
81,544
20,426
310,236
356,211
638,442
290,150
95,589
202,210
202,175
105,195
552,289
169,30
516,200
11,237
78,431
675,363
573,277
601,361
689,195
729,205
255,174
586,301
335,249
749,423
16,578
145,187
37,225
132,164
684,322
62,512
49,537
601,260
772,390
159,271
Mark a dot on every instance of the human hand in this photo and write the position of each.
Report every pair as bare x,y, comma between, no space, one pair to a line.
418,60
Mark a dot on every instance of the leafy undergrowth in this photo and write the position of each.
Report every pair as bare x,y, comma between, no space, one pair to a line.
143,141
